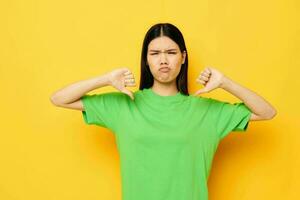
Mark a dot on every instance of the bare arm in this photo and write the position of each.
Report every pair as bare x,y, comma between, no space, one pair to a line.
69,96
261,109
212,78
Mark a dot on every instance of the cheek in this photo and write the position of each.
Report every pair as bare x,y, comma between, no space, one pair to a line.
175,62
178,60
177,71
153,70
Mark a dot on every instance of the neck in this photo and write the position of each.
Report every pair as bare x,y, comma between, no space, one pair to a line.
165,89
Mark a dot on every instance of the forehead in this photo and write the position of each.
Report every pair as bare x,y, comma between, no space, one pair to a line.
162,43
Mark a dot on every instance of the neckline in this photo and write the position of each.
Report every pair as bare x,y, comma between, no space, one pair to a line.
163,99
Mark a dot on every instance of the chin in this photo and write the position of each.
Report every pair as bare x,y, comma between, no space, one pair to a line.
162,80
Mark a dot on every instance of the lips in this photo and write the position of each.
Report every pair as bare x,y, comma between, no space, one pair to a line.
164,69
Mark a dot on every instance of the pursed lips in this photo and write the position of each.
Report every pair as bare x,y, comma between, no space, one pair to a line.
165,68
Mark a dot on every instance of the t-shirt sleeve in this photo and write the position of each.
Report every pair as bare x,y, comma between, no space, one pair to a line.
231,117
102,109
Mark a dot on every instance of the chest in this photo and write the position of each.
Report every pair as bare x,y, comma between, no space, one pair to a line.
169,127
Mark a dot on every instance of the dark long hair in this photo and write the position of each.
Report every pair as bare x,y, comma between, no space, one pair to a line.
171,31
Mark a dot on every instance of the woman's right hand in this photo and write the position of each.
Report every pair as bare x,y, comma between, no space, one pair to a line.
120,78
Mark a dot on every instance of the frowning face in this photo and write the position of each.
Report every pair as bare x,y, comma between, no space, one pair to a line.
164,59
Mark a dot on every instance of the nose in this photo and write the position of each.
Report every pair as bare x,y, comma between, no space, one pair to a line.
163,59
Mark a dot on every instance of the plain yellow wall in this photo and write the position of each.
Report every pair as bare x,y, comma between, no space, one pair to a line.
47,152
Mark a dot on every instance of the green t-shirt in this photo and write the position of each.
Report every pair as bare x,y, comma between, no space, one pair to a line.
166,143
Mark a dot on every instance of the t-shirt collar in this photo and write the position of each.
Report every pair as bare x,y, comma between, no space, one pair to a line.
149,93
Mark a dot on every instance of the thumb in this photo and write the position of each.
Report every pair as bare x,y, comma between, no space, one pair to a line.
128,92
125,69
201,91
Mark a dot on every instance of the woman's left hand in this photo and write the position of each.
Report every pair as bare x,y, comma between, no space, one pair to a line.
211,78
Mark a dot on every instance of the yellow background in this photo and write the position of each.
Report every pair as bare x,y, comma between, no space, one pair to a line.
47,152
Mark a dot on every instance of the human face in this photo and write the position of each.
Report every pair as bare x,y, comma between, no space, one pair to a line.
164,59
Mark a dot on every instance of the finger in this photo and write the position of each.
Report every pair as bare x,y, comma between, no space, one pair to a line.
204,78
207,70
205,74
129,93
127,72
129,76
130,83
201,81
129,80
198,79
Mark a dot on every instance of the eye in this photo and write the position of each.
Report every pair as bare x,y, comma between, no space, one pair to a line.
169,53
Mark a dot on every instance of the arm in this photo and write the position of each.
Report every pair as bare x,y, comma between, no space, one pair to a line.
70,95
261,109
212,78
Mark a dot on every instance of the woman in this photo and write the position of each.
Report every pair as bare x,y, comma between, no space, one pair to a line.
166,138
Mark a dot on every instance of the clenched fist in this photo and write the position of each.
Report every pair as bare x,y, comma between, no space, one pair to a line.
120,79
211,78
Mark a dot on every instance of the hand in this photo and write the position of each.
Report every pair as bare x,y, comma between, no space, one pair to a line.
211,78
120,78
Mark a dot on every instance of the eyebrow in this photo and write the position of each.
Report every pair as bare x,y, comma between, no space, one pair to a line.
159,51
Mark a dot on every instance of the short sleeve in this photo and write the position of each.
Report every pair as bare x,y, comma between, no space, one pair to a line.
102,109
231,117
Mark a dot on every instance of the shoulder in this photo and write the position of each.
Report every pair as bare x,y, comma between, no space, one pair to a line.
226,106
201,100
210,103
115,95
106,97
